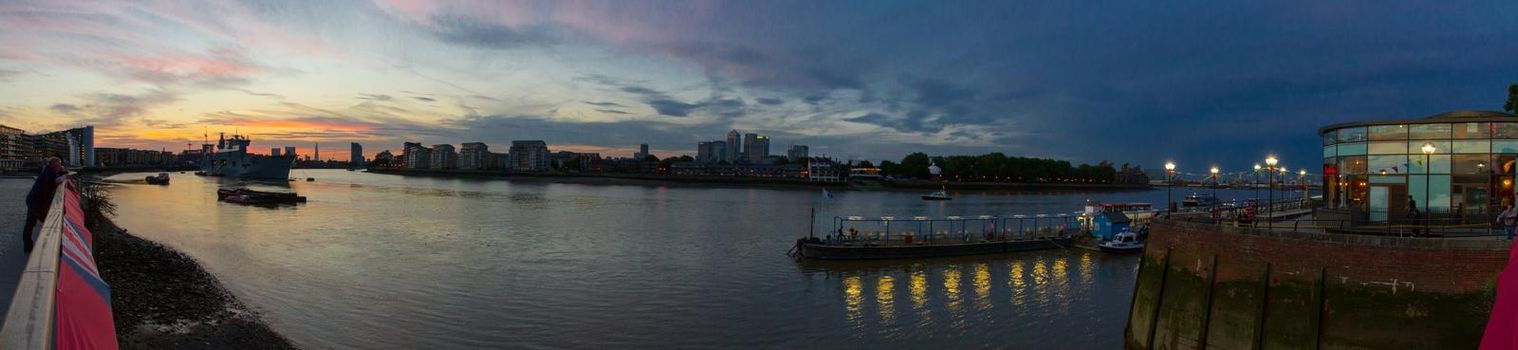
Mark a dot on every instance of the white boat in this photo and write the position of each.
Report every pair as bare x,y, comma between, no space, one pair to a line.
1123,242
941,195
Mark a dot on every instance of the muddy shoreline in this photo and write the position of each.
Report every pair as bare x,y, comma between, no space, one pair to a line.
164,299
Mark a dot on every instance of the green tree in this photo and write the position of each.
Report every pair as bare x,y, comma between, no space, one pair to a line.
1512,99
915,165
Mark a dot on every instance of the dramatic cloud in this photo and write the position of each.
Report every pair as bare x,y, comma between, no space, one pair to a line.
1201,83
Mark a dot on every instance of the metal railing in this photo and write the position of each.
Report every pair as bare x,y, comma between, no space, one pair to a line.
29,322
951,229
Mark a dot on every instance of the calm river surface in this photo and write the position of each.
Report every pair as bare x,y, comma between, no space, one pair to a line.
385,261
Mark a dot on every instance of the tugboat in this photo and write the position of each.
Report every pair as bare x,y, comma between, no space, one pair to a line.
1123,242
941,195
161,179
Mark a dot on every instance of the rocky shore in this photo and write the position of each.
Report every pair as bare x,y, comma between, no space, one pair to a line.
163,299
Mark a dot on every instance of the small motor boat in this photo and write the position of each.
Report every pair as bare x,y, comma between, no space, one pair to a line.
1122,242
310,179
161,179
941,195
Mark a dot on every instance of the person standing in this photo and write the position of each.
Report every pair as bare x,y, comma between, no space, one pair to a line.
1509,220
1412,214
40,198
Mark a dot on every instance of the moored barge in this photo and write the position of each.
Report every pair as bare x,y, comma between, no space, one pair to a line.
923,237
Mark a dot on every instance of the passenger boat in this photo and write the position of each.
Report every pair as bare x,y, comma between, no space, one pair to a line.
161,179
922,237
1122,242
1200,200
940,195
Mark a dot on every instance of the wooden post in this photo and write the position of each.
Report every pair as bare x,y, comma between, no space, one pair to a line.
1154,322
1212,284
1259,340
1322,303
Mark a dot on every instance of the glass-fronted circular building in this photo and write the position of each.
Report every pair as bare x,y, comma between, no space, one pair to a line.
1371,168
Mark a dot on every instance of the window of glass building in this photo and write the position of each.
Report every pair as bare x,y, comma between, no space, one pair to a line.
1440,146
1388,132
1352,149
1387,164
1472,164
1353,134
1471,146
1330,151
1439,164
1435,197
1429,131
1330,137
1354,165
1478,130
1505,130
1388,147
1504,146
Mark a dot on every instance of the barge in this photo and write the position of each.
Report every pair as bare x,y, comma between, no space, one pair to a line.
922,237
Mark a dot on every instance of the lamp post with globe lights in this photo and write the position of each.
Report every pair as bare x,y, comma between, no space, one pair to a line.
1256,183
1214,182
1270,190
1169,183
1428,203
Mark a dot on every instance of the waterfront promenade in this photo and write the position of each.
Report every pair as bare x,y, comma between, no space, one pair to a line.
12,218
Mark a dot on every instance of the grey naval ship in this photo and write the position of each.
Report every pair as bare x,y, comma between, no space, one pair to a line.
230,158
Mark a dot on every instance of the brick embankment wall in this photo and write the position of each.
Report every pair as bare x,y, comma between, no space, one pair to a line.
1242,288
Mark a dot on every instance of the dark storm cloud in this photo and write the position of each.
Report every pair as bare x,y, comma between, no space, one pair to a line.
478,33
604,104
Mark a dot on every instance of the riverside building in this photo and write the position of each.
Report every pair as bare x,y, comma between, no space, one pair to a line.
1454,165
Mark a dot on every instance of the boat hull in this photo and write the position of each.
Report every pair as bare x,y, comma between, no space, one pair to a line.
824,251
1120,250
931,198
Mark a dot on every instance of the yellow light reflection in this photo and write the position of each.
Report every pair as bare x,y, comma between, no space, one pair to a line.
1088,269
951,282
918,286
982,286
885,299
1040,272
853,298
1017,282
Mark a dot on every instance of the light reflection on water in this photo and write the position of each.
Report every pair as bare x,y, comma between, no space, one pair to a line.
378,261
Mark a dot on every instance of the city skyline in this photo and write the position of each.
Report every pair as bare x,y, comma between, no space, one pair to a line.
853,80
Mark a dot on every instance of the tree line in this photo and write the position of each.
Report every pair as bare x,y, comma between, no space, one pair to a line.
998,167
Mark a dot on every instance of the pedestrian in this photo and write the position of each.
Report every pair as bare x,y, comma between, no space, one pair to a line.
1509,220
40,198
1412,213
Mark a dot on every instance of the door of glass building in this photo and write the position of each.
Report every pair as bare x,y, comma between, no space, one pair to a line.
1378,203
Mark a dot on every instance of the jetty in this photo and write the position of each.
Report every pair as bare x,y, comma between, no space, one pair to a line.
887,237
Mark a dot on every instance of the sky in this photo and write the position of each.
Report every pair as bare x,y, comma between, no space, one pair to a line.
1201,83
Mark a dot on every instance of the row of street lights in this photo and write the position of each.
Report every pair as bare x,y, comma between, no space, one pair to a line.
1270,168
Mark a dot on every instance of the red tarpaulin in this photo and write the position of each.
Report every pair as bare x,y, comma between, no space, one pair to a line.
83,309
1502,325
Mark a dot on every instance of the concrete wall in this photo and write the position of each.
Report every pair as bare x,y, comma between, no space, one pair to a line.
1242,288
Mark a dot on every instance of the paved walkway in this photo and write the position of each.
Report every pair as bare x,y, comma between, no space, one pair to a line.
12,219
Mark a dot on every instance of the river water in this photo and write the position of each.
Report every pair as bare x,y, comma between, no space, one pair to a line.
386,261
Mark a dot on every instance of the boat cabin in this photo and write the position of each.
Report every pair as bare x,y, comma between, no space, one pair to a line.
1108,224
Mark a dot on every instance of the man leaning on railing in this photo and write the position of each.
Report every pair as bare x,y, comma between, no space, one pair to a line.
1509,220
41,197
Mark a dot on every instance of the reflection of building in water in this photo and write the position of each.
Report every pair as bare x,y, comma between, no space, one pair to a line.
885,289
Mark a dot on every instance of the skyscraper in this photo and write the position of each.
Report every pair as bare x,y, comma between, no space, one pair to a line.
642,152
756,147
796,153
711,151
318,152
734,147
356,156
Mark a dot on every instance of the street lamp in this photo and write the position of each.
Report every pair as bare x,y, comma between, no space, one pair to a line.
1256,184
1270,190
1302,178
1214,182
1428,152
1169,201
